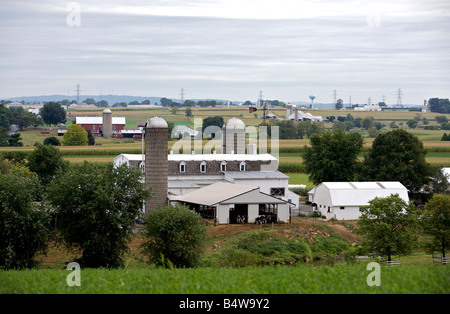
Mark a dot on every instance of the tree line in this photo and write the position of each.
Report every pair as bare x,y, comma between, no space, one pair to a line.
89,207
396,155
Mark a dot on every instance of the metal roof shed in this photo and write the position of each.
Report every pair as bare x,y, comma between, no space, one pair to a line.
230,201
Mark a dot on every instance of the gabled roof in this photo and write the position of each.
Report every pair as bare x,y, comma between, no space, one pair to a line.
215,193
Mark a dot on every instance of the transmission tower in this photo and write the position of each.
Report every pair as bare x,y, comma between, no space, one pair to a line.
78,93
399,95
369,101
334,96
182,95
260,99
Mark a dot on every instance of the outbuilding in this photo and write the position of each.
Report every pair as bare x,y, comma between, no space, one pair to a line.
343,200
235,203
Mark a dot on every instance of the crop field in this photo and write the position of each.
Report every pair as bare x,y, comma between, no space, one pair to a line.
290,151
340,279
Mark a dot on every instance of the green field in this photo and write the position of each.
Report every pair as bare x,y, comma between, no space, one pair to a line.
340,279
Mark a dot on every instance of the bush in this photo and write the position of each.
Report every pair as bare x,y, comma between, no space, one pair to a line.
24,229
175,236
52,141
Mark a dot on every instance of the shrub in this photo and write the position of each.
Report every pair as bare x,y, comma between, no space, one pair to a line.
24,229
175,236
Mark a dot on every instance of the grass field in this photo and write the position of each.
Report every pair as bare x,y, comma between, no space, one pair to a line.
340,279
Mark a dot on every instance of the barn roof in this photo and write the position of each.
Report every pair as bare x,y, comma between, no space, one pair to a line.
227,193
98,120
209,157
360,193
214,193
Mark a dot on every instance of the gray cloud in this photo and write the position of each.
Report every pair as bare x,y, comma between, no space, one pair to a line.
155,48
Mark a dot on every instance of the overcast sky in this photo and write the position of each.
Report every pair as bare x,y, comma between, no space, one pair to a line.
227,49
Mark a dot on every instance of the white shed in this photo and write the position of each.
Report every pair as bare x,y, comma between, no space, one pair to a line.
342,200
227,202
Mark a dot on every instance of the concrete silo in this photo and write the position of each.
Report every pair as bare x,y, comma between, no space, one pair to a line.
233,135
107,123
156,161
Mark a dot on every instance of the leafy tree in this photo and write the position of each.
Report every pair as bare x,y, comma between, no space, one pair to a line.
52,141
14,140
397,155
211,121
439,181
24,228
445,137
165,102
100,216
46,160
76,135
367,122
441,119
91,139
53,113
89,101
175,236
412,124
439,105
188,112
339,104
333,156
6,117
436,222
388,226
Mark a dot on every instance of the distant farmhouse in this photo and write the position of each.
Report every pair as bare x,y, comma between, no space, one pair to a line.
229,187
292,113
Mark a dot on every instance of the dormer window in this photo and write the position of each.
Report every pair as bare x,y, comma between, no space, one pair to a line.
182,166
242,166
223,166
203,167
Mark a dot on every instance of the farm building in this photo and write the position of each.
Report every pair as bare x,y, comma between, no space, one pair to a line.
186,173
106,125
343,200
234,203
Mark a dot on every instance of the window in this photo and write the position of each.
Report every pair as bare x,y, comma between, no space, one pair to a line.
182,166
203,167
342,207
277,191
242,166
223,166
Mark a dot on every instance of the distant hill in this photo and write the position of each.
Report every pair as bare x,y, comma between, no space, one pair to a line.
112,99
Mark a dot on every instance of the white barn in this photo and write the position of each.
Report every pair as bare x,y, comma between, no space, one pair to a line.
228,202
343,200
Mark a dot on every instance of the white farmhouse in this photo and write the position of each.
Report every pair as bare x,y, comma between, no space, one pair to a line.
343,200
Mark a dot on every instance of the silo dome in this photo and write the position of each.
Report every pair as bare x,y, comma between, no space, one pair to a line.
235,123
107,111
156,123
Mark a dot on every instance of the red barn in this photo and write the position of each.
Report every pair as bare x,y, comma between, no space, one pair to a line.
95,124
